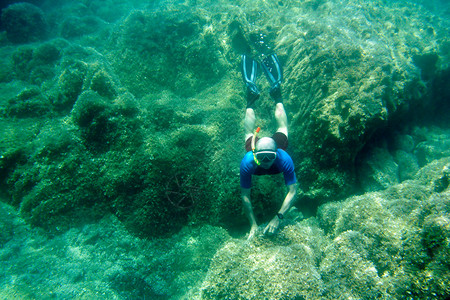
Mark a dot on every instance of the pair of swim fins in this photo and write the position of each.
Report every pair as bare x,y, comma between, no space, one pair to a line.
273,71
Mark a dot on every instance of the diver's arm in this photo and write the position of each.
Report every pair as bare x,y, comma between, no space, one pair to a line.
289,200
287,204
245,193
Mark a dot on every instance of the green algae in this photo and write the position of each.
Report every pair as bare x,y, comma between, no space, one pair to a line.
365,247
337,95
128,118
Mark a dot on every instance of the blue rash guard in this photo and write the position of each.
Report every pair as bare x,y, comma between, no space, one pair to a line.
282,164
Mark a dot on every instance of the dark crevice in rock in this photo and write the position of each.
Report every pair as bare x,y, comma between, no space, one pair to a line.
430,110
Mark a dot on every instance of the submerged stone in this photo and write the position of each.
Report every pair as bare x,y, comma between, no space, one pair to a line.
24,23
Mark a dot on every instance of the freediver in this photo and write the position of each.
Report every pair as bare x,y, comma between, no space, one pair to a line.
266,155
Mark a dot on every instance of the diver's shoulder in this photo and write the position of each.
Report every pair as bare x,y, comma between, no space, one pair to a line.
248,157
283,155
282,152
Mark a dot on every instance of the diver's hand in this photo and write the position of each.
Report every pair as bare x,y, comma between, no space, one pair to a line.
252,233
272,226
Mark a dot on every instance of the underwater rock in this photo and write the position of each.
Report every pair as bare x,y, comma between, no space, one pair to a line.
88,108
390,243
443,182
101,125
101,82
346,83
165,49
407,164
24,23
48,53
402,147
22,63
280,268
6,68
427,63
30,102
399,157
436,146
70,85
78,76
74,27
426,255
378,171
41,187
347,269
403,142
389,230
37,64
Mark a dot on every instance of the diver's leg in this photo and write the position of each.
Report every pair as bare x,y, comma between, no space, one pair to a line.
281,117
249,123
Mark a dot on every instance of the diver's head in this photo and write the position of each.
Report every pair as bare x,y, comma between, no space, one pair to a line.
265,152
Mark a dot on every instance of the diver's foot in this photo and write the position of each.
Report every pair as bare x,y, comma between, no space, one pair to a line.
274,73
249,69
252,96
275,93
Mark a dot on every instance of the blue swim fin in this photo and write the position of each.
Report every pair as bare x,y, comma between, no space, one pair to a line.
274,73
249,69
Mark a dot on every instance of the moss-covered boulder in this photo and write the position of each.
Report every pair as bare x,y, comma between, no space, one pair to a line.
167,49
284,267
341,92
392,243
29,103
24,23
398,157
53,187
75,27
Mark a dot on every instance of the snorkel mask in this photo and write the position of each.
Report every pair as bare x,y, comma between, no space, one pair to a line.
266,151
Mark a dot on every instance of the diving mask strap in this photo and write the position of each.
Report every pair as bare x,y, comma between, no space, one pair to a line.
253,145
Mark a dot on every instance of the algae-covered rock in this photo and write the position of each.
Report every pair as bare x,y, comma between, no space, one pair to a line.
340,93
70,85
390,243
284,267
92,114
37,64
348,270
426,249
24,23
407,164
379,170
391,229
436,146
55,183
74,27
396,158
165,49
29,103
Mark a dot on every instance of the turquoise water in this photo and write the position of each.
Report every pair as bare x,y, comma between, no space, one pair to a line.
122,134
